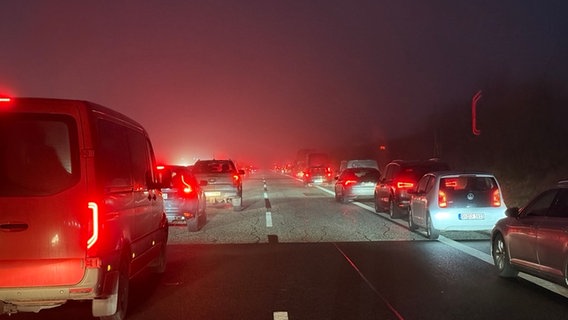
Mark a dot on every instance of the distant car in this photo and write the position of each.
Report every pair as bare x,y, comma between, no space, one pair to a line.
455,201
224,181
184,198
356,184
317,175
365,163
534,239
400,176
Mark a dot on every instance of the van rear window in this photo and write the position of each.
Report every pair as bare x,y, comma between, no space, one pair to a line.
39,154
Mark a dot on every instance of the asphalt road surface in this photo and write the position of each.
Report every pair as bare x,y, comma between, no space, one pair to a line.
293,252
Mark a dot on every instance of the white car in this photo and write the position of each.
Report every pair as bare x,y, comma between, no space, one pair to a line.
456,201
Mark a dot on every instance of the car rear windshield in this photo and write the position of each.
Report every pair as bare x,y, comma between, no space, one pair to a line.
468,183
415,172
39,154
213,166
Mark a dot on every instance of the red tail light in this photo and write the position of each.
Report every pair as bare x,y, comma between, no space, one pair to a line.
5,99
185,187
236,179
496,198
94,225
404,184
349,182
442,199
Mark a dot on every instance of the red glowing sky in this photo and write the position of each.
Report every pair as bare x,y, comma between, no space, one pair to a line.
258,80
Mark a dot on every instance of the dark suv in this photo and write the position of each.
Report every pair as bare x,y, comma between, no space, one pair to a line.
399,176
224,181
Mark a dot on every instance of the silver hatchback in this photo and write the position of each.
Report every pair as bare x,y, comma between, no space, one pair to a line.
356,184
534,239
456,201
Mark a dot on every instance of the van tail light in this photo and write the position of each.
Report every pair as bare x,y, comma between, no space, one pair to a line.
93,224
442,199
496,198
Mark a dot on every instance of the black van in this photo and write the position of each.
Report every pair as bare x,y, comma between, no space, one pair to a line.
80,210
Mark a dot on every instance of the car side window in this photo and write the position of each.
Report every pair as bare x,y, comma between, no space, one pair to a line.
559,206
422,184
430,184
539,207
113,156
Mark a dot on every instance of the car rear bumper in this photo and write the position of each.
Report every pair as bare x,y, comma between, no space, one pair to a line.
34,299
456,219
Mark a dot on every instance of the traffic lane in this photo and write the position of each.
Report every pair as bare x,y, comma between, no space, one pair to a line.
253,281
346,280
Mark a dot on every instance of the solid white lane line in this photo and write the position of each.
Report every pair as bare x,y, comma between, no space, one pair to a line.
465,249
268,219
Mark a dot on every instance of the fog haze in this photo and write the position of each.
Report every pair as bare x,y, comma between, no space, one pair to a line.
258,80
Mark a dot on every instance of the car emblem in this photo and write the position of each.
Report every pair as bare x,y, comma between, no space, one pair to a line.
470,196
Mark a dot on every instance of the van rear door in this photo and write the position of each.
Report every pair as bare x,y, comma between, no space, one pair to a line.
44,215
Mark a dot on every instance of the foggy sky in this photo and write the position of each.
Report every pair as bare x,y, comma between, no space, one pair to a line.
258,80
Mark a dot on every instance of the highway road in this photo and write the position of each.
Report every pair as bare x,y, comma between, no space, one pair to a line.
293,252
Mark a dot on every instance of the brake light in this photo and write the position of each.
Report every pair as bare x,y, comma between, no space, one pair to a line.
187,189
404,185
160,167
496,198
94,236
348,182
5,99
236,179
442,199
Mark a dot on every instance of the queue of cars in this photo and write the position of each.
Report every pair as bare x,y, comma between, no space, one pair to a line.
532,239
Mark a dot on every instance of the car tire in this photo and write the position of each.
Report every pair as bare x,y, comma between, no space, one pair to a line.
377,207
193,224
411,225
501,258
237,203
203,218
393,210
159,266
431,232
119,302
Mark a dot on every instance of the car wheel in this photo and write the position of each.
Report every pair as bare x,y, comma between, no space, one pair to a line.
377,207
411,225
193,224
203,217
117,302
393,212
337,197
159,266
237,203
431,232
501,258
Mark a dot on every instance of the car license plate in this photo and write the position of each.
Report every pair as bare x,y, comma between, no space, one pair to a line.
471,216
212,194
